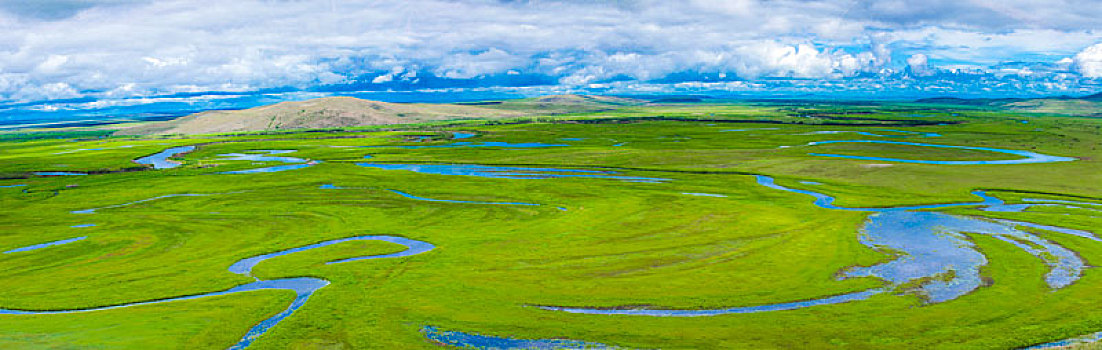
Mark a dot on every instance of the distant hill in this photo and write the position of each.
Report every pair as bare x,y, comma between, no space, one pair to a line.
1095,97
955,101
678,100
582,100
560,104
333,112
1090,105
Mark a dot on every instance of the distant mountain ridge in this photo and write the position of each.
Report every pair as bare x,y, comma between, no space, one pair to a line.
336,112
1095,97
1089,105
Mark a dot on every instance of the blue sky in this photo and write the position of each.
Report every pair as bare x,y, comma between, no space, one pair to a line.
61,56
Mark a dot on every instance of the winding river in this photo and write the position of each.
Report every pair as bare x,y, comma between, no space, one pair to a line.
93,210
479,341
267,155
45,245
1030,157
510,172
160,160
410,196
931,251
304,287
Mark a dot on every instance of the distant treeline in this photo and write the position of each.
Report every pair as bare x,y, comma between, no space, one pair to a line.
45,135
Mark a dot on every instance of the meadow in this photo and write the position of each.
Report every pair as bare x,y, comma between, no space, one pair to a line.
706,235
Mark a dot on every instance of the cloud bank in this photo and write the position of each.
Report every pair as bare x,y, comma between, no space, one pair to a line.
116,49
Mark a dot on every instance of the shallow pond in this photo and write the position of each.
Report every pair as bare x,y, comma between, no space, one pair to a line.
160,159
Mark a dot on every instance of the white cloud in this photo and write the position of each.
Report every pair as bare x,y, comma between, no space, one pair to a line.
466,65
773,59
50,91
52,64
1089,61
385,78
918,65
116,47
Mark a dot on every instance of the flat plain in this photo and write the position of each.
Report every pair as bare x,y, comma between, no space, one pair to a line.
656,207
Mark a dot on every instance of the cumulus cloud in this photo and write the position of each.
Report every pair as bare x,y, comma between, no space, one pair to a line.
772,59
69,48
1089,61
917,65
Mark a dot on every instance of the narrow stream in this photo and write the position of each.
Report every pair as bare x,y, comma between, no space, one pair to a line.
931,251
45,245
304,287
527,173
478,341
1030,157
267,156
160,160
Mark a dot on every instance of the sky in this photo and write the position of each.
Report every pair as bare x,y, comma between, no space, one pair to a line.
105,58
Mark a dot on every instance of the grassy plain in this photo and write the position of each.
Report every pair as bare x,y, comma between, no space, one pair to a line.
618,243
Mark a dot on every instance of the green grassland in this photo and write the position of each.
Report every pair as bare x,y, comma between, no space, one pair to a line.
617,243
